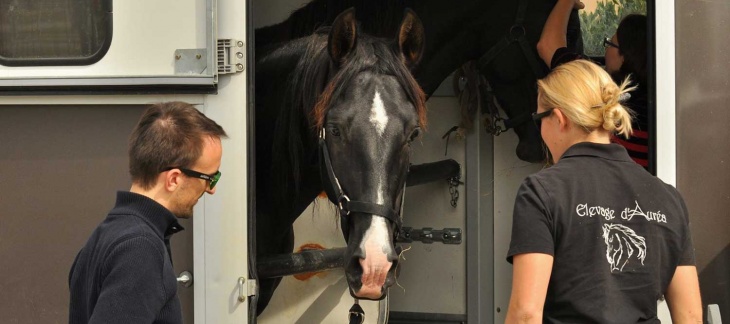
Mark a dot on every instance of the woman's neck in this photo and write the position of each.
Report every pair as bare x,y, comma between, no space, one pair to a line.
579,135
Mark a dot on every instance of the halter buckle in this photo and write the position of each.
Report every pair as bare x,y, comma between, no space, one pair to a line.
342,208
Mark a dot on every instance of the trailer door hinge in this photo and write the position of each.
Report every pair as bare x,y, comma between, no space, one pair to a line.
253,287
247,288
231,56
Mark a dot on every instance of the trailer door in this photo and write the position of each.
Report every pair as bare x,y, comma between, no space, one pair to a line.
75,76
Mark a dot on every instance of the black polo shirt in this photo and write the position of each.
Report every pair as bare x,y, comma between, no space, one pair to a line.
124,272
616,233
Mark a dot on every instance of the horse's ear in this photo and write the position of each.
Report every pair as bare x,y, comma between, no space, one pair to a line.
343,35
411,39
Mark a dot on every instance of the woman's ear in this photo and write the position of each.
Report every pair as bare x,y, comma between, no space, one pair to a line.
562,119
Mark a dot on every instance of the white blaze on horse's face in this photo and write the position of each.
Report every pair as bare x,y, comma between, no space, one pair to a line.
376,266
376,240
379,118
378,115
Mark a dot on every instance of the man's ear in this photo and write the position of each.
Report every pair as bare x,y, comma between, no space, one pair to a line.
171,179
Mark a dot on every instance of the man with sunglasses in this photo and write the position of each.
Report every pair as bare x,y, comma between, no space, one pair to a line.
124,272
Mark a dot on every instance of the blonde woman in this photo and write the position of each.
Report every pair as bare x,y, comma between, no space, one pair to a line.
595,238
625,55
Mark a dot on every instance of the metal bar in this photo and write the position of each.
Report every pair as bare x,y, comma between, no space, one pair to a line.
273,266
479,226
125,81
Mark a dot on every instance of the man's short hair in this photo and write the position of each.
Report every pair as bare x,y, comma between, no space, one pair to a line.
169,134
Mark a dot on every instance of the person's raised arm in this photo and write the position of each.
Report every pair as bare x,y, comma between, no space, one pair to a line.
530,278
553,33
683,296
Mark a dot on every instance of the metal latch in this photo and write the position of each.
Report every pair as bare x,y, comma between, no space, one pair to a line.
428,235
246,288
231,56
185,279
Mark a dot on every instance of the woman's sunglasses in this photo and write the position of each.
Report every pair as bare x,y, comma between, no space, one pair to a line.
537,117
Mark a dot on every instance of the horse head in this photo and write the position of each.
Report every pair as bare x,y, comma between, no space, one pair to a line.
366,118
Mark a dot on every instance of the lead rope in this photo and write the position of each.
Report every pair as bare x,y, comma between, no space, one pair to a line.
357,314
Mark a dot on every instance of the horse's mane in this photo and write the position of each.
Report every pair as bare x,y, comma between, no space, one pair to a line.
314,83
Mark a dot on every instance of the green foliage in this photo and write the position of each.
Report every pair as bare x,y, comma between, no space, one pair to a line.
604,20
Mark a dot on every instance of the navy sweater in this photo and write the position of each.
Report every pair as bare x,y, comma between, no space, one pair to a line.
124,272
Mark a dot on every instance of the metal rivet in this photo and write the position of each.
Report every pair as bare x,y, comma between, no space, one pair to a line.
239,54
240,44
198,56
239,67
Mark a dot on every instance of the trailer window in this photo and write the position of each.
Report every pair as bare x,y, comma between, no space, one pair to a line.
54,32
600,19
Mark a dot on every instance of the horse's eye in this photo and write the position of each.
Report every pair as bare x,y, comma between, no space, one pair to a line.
334,131
414,134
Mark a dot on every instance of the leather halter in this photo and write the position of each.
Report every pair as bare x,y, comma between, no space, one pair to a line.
517,34
337,195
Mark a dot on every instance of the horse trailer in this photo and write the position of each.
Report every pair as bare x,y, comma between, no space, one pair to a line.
76,75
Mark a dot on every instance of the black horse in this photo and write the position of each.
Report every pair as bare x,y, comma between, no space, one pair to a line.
347,101
501,35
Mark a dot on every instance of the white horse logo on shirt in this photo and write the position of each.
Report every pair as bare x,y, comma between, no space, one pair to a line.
621,244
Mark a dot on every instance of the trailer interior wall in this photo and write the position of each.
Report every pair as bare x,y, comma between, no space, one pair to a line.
703,153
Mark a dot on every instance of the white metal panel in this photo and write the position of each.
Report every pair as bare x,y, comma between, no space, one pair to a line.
509,172
666,135
435,269
145,36
99,100
220,224
666,125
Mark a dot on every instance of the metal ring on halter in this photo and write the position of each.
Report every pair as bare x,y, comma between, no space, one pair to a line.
344,197
517,31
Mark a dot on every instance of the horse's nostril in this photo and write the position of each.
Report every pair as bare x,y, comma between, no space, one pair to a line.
392,257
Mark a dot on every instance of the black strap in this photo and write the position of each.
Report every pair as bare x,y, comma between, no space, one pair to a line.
521,11
329,180
492,53
370,208
337,196
357,315
531,58
512,122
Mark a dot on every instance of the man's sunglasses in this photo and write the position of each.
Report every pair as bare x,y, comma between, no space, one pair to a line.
213,179
537,117
607,42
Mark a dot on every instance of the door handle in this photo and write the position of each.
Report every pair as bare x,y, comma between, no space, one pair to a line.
185,279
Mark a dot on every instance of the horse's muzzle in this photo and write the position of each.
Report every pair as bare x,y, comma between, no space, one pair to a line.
369,278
